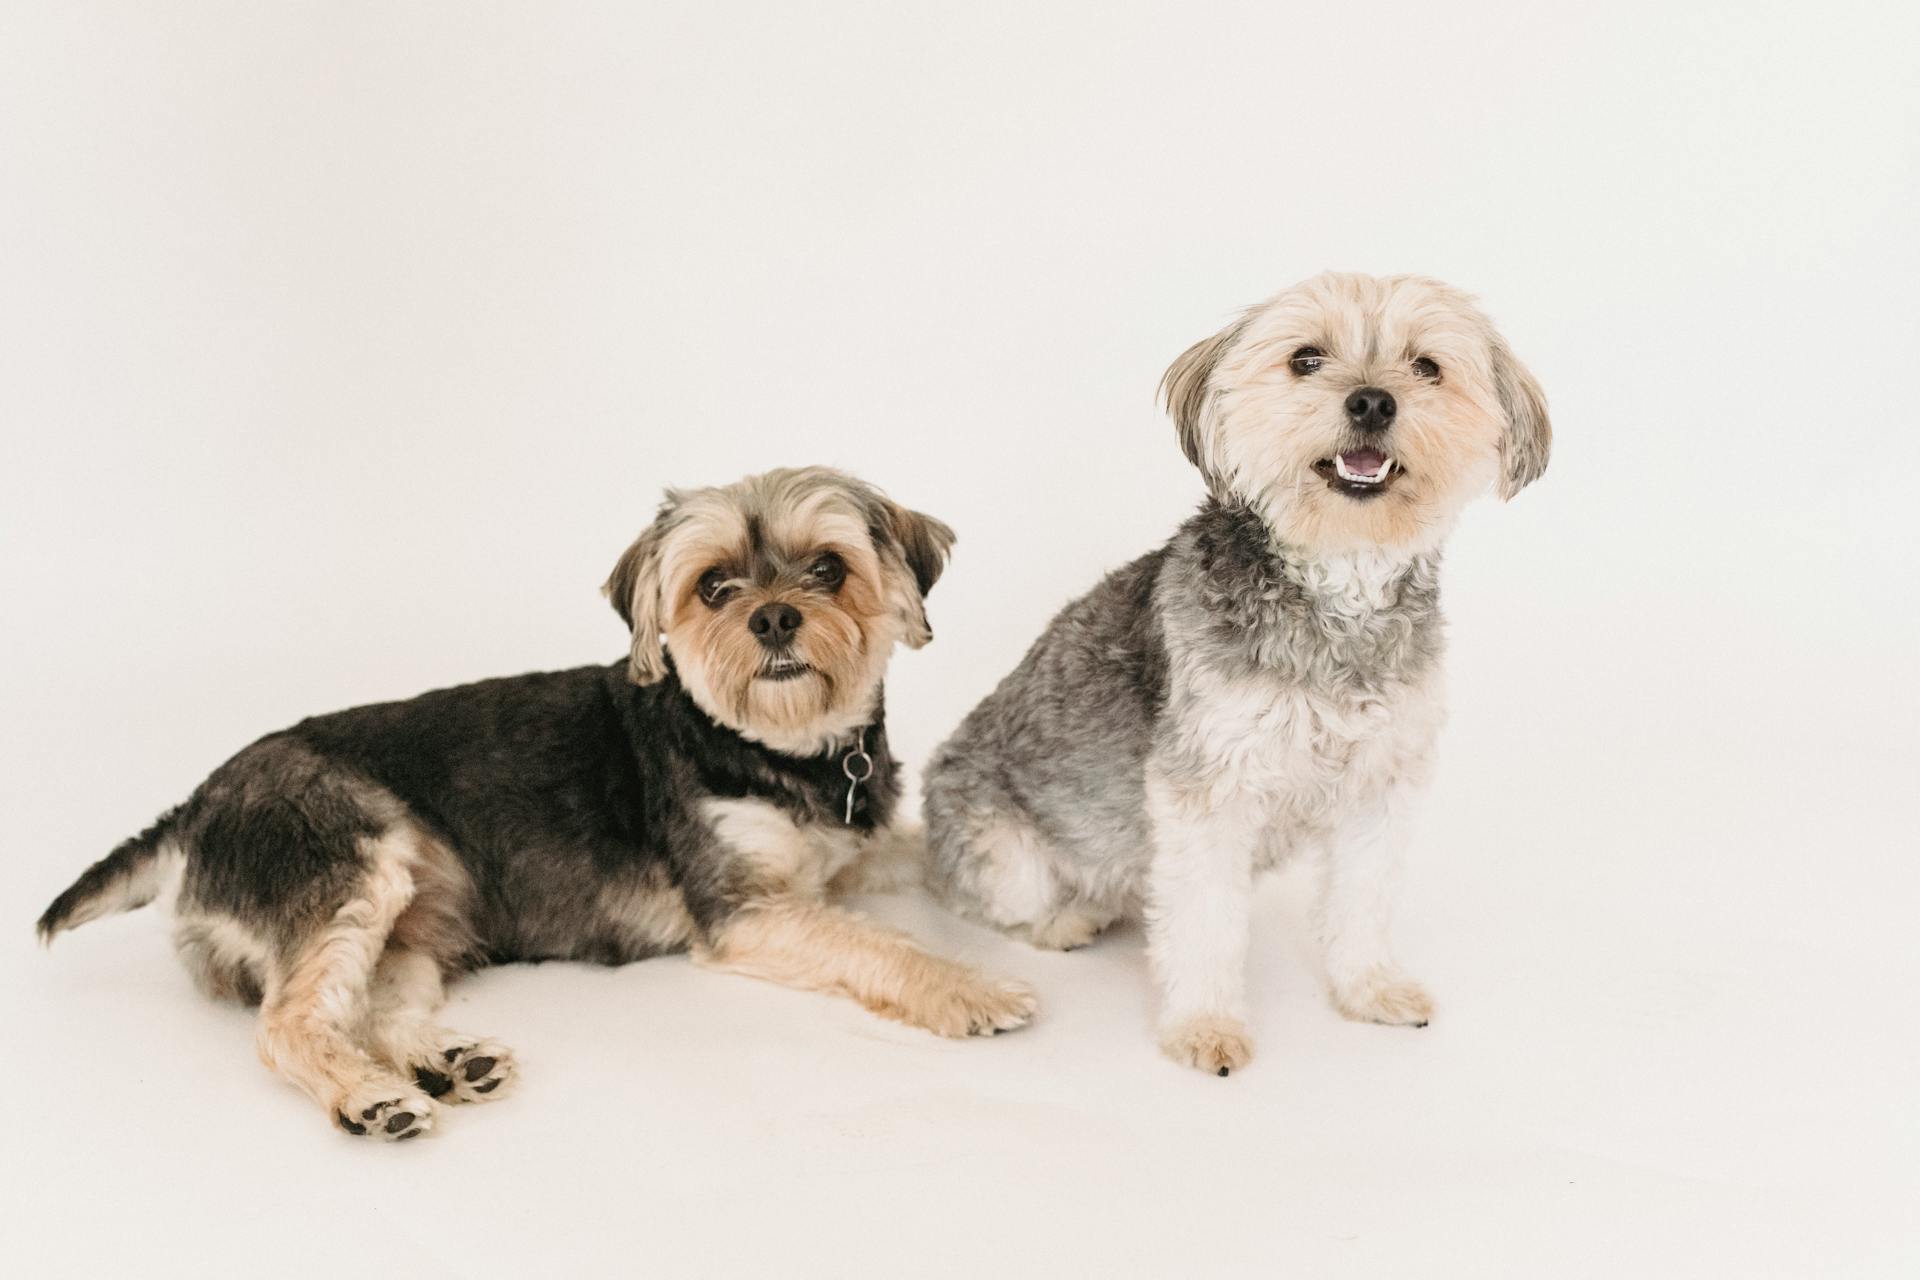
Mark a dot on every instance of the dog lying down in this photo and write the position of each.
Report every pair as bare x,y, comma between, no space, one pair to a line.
703,794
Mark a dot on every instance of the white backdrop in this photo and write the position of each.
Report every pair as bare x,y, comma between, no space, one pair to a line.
344,346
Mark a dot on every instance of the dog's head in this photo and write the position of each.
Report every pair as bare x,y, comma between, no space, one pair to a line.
1356,412
780,598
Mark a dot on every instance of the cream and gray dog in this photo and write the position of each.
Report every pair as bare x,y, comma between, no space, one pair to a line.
1267,684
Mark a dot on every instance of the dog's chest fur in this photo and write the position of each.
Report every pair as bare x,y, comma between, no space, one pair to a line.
1277,695
1296,688
778,851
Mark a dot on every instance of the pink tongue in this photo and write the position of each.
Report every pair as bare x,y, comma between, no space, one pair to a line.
1364,462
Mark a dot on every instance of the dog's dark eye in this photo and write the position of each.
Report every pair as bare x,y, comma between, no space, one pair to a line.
828,571
713,587
1426,368
1306,360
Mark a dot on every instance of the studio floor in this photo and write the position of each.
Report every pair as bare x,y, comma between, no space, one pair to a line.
1619,1082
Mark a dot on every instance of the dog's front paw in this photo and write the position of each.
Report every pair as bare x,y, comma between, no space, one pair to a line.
1214,1044
978,1007
467,1072
1387,996
384,1110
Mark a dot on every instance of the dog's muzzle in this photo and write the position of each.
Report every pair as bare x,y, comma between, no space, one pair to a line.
773,625
1371,409
1366,472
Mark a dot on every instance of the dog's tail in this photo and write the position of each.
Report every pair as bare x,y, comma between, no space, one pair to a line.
131,876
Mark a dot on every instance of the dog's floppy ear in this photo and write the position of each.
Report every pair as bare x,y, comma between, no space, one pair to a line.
1185,391
918,545
634,590
1528,438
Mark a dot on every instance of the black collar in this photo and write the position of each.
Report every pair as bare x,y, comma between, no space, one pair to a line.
849,784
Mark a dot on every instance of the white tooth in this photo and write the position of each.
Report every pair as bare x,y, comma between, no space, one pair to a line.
1354,477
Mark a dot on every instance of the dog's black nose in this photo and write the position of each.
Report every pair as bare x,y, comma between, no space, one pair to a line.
773,625
1371,409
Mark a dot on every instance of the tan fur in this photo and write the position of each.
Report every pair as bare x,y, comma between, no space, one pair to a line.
821,948
1383,995
722,661
315,1010
350,1018
1529,437
770,857
1068,930
438,920
226,960
633,590
1187,384
407,992
891,860
649,910
1216,1045
1256,428
847,636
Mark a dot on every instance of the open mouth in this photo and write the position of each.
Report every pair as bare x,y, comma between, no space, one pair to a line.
1360,473
784,669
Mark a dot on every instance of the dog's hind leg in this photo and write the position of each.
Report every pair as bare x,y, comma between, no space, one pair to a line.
403,1032
432,938
1012,879
226,960
316,1006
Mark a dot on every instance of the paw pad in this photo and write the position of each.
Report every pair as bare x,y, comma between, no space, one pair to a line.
432,1083
467,1072
389,1119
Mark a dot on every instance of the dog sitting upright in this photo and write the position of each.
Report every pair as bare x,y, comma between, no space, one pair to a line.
1269,681
702,796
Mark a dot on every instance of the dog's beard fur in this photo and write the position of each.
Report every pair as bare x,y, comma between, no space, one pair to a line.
843,644
762,536
1257,429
